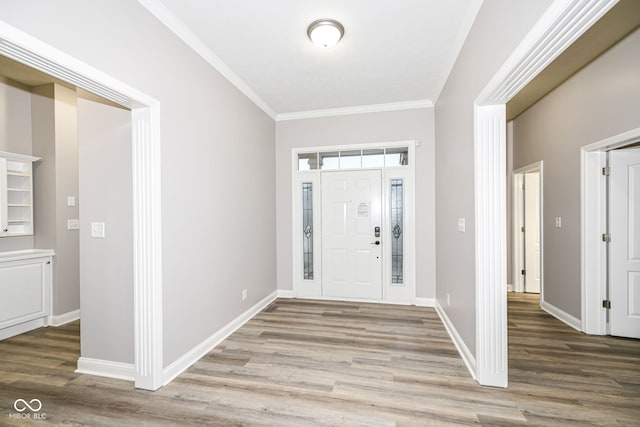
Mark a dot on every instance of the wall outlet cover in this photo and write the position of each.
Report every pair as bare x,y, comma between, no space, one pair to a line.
97,230
73,224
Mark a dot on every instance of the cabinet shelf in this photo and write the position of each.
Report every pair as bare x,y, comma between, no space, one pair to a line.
16,194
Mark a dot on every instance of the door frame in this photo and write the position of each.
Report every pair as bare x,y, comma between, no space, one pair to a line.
518,223
312,289
146,173
593,203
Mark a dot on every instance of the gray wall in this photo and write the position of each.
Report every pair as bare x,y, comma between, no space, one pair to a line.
15,137
497,30
218,173
54,129
106,265
359,129
598,102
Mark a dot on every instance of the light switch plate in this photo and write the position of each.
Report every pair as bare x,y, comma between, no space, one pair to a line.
462,225
97,230
73,224
71,201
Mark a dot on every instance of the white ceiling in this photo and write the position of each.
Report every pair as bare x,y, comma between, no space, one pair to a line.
393,51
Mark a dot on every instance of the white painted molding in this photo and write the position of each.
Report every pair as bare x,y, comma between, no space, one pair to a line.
510,287
561,24
362,109
193,355
173,23
21,328
491,245
106,368
465,353
425,302
284,293
562,315
34,53
593,224
64,318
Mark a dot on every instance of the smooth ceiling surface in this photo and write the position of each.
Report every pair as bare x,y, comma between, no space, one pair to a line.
392,51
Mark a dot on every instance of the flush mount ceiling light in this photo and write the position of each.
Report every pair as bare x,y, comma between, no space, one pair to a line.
325,33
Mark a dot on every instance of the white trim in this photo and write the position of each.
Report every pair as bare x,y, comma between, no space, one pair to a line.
106,368
21,328
192,356
284,293
491,245
510,287
64,318
361,109
175,25
425,302
518,243
146,164
562,23
562,315
463,350
346,299
593,219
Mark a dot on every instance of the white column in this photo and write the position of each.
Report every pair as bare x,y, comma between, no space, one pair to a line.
147,244
490,218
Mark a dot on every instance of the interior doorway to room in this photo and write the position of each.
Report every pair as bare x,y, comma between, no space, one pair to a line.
624,242
527,231
351,242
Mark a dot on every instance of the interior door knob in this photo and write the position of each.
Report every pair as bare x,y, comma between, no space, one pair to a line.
377,242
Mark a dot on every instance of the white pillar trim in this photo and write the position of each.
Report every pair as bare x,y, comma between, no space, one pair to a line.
561,24
491,245
147,241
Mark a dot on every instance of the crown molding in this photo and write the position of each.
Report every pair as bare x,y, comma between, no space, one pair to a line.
374,108
166,17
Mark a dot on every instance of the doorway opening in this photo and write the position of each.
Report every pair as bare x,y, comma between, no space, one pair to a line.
527,229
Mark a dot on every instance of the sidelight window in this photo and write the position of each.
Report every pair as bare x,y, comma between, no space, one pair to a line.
397,231
307,230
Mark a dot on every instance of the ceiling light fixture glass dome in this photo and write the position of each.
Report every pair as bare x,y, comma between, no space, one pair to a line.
325,33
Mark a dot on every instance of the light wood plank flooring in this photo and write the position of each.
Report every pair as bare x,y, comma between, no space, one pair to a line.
302,363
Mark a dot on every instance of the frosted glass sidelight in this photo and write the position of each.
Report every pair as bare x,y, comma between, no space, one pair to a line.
397,229
307,230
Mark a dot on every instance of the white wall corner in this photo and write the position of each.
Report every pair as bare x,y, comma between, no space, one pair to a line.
562,315
467,357
106,368
197,352
61,319
425,302
284,293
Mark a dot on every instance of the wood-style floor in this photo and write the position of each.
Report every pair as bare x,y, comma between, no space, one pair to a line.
302,363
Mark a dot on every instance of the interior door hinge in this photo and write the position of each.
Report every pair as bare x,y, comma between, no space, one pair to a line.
524,272
522,229
606,237
606,171
606,304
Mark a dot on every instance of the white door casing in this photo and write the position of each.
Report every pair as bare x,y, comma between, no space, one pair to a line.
532,232
351,208
624,248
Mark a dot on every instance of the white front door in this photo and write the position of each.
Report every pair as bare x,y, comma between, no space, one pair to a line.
532,232
351,211
624,226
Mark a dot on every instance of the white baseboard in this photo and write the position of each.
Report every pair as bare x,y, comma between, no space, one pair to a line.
61,319
425,302
510,287
193,355
561,315
106,368
282,293
21,328
466,355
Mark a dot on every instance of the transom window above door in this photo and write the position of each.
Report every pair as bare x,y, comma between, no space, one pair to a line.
354,159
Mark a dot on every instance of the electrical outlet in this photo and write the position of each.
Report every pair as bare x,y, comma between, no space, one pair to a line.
558,222
448,299
462,225
244,294
71,201
73,224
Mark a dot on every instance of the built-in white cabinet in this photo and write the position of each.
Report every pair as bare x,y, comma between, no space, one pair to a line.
16,194
25,290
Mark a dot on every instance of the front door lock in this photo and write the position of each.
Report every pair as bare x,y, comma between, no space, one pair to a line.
377,242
